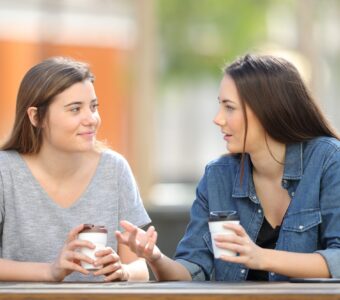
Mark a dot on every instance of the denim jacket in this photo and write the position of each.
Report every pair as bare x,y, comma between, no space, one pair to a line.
311,222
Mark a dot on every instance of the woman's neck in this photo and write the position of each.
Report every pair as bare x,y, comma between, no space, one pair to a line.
268,161
60,164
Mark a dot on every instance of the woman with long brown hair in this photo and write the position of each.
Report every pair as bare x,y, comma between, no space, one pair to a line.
281,176
55,177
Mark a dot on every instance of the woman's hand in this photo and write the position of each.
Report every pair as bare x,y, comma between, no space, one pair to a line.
249,254
69,258
112,268
142,243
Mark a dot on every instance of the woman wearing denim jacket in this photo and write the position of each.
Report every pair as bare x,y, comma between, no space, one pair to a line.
282,176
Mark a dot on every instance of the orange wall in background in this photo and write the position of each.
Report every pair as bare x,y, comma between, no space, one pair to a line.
15,59
109,66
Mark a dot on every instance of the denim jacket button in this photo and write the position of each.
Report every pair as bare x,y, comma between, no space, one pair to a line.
259,211
243,271
272,273
301,227
292,194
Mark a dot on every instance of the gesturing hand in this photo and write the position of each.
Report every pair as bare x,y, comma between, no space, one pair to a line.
141,242
69,258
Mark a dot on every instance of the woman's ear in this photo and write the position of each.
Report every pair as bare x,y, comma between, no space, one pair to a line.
32,113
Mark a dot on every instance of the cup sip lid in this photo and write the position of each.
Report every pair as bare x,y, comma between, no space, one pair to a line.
94,228
225,215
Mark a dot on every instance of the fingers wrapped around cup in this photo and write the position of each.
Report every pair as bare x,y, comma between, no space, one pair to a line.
111,266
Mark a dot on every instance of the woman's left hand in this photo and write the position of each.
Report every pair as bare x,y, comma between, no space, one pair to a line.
112,269
249,254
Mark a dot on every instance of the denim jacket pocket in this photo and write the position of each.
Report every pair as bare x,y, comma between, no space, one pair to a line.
302,220
300,231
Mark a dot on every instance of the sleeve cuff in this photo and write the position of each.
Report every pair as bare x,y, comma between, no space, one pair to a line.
196,271
332,258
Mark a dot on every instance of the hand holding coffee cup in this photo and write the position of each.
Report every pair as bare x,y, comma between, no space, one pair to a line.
97,235
216,221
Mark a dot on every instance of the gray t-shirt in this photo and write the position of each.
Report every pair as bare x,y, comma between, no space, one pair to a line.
34,228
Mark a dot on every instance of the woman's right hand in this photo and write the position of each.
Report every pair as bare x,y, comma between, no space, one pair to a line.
141,242
69,258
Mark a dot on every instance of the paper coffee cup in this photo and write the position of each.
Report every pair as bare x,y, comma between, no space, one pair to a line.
216,221
97,235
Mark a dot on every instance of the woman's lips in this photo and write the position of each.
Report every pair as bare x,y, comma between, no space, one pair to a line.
87,134
227,137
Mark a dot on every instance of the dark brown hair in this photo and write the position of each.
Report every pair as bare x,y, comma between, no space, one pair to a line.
38,88
274,90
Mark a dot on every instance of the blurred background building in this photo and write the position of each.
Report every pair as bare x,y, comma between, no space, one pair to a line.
158,67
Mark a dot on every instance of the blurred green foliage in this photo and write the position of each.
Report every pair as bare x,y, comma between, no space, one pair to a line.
197,37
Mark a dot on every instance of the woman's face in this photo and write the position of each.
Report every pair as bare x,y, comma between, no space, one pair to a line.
72,119
230,118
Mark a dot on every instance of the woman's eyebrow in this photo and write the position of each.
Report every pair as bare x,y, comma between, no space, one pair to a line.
73,103
80,102
224,100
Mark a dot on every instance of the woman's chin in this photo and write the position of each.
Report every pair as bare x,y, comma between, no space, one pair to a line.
233,150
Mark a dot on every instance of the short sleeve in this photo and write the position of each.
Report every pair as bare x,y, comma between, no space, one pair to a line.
131,206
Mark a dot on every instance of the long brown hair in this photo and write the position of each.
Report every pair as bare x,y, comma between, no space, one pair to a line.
38,89
274,90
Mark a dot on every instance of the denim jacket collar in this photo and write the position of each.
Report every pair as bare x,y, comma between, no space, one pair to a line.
293,162
292,171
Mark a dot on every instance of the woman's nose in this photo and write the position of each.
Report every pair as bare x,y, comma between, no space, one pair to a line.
219,120
90,118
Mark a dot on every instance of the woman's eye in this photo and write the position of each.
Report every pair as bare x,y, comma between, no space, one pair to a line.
94,107
75,109
230,108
